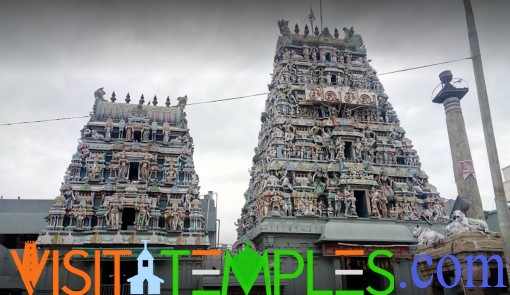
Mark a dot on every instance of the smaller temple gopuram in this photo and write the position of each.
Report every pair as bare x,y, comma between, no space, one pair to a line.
132,178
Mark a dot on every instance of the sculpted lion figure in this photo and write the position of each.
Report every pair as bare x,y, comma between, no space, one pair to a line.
354,38
284,27
98,94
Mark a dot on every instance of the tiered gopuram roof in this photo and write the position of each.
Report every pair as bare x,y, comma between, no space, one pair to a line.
331,144
132,178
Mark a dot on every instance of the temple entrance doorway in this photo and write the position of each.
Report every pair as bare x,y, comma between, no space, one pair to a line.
128,270
369,278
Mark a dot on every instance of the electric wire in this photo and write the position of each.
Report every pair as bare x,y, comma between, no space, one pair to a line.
237,97
41,121
425,66
225,99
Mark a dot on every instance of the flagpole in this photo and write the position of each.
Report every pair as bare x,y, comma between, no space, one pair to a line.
311,18
320,4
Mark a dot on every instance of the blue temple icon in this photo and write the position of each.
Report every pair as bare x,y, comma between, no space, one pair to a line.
145,273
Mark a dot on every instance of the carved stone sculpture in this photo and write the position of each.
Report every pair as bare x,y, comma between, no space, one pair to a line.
461,223
99,93
339,198
144,171
376,203
68,194
142,213
94,169
426,236
350,203
80,216
114,213
319,178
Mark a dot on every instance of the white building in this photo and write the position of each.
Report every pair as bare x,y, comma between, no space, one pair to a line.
506,176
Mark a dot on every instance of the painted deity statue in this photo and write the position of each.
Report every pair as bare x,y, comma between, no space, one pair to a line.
358,149
173,218
350,203
317,132
287,207
187,199
276,203
376,203
108,127
339,198
144,171
166,132
114,212
80,216
142,214
94,169
286,182
386,184
383,206
122,125
289,131
170,175
340,148
129,133
177,221
83,150
68,194
320,185
123,166
145,134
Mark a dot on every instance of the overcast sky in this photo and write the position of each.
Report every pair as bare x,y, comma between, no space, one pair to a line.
55,54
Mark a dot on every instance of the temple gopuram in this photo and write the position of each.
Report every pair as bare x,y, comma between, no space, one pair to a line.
132,179
333,169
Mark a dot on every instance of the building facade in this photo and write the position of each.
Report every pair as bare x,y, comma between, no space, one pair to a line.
333,169
21,220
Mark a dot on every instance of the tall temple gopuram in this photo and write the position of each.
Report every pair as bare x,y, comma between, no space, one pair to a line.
333,168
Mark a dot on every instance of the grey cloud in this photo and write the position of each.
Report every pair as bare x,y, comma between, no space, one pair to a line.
54,54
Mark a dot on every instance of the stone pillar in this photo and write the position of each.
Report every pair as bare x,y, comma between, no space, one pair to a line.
467,186
459,147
